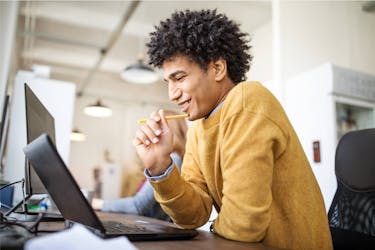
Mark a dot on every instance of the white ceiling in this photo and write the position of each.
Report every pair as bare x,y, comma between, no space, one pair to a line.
69,35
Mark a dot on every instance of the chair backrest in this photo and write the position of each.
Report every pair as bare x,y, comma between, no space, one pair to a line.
353,207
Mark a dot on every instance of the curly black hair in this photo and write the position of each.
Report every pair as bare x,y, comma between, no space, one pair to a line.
203,36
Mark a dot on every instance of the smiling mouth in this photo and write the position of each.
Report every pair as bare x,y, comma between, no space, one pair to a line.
184,105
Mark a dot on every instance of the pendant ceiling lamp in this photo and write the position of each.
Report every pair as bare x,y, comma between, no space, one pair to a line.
77,136
97,110
139,73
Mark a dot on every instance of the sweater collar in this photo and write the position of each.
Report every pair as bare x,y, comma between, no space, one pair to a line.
213,118
215,109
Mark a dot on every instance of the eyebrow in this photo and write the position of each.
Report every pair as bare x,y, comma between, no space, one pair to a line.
174,74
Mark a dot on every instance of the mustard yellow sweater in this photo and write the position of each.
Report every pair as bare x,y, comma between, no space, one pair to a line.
247,161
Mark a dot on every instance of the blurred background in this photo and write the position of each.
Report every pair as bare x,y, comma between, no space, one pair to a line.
303,51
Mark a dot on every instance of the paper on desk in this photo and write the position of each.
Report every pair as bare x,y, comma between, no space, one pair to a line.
77,238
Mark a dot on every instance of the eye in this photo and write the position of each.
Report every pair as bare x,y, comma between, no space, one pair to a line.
180,78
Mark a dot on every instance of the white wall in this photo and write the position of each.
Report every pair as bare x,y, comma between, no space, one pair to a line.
315,32
310,93
261,68
8,24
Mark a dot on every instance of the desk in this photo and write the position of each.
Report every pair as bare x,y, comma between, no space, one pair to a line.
205,240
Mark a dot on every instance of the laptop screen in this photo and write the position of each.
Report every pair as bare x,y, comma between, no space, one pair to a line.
60,184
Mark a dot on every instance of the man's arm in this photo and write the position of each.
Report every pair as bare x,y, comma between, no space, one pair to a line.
124,205
185,199
141,203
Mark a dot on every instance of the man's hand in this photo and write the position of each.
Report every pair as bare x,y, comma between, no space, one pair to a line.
154,143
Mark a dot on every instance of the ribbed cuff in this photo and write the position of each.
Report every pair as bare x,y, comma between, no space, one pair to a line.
162,176
169,187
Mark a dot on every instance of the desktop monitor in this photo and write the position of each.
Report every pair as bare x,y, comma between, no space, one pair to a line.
38,121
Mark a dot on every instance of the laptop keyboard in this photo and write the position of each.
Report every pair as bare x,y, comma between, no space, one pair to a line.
116,227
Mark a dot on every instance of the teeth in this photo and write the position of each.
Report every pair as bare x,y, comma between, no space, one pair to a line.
185,105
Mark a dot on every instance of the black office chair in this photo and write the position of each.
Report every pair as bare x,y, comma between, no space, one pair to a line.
352,212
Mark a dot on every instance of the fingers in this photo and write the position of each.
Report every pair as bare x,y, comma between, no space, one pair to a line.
151,130
164,121
155,116
149,133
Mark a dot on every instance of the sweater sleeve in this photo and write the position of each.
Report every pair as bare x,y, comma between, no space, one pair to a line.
249,148
185,197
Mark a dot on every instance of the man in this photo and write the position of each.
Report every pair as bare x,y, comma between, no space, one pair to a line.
242,154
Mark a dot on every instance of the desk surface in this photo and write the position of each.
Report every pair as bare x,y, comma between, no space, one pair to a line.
205,240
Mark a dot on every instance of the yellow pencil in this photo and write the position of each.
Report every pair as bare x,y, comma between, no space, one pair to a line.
168,117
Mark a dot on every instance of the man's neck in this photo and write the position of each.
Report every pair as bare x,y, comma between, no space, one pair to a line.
227,86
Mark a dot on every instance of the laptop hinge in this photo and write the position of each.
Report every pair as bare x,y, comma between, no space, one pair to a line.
69,224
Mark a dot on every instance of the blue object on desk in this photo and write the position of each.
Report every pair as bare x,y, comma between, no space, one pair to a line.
44,205
6,197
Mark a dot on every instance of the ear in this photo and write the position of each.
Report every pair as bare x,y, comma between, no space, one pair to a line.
220,69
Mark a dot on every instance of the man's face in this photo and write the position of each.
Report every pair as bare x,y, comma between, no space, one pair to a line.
194,90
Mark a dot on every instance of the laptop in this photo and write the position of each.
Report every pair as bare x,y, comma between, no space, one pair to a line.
75,208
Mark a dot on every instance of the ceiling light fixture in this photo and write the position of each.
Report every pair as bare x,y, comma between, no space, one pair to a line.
77,136
139,73
98,110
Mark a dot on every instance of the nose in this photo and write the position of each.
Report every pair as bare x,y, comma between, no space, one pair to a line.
173,92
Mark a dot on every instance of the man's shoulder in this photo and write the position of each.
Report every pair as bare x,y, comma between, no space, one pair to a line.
248,94
253,98
251,88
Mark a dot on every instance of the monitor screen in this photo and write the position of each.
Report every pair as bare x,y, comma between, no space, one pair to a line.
38,121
